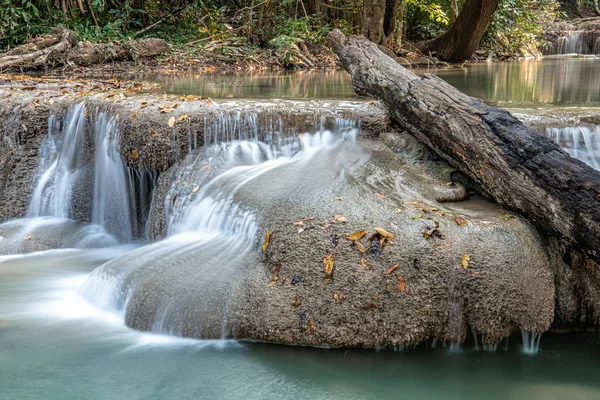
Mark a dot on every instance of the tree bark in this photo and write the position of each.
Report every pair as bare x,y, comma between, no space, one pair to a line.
460,42
596,7
313,7
379,21
518,167
61,48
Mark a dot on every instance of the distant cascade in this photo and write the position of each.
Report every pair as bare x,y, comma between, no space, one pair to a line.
531,342
580,142
571,43
119,195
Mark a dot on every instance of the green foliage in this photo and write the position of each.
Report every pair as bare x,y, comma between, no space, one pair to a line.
19,20
518,25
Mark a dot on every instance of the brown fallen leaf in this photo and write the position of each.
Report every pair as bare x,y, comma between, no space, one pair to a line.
182,117
340,218
205,167
135,154
363,262
336,297
312,325
465,261
385,234
339,198
299,223
265,245
274,277
28,237
460,221
328,265
171,122
296,301
196,189
392,269
357,235
360,246
402,283
134,114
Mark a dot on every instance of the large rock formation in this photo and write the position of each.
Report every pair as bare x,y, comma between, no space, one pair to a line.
463,263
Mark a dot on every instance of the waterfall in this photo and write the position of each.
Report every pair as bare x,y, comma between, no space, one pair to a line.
531,342
580,142
119,197
113,195
61,163
571,43
210,233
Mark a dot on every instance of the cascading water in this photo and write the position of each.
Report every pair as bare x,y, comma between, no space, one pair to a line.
119,197
208,226
531,342
571,43
61,162
580,142
113,197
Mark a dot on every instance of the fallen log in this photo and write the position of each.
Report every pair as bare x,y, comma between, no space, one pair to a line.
518,167
60,47
38,52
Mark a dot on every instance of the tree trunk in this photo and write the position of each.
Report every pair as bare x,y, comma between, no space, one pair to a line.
520,168
379,21
313,7
460,42
596,7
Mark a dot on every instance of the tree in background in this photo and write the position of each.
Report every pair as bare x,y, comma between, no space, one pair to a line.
461,41
379,21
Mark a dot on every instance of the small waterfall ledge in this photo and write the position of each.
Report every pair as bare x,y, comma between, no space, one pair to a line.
215,178
573,38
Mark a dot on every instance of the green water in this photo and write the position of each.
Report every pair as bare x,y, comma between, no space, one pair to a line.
55,346
556,82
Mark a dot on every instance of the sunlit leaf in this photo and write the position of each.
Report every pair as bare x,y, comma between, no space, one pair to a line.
328,265
357,235
465,261
265,245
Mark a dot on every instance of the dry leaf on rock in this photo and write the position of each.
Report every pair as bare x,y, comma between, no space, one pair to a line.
392,269
357,235
460,221
265,245
402,283
340,218
465,261
328,265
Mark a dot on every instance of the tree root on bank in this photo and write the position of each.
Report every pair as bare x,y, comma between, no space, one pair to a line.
60,47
